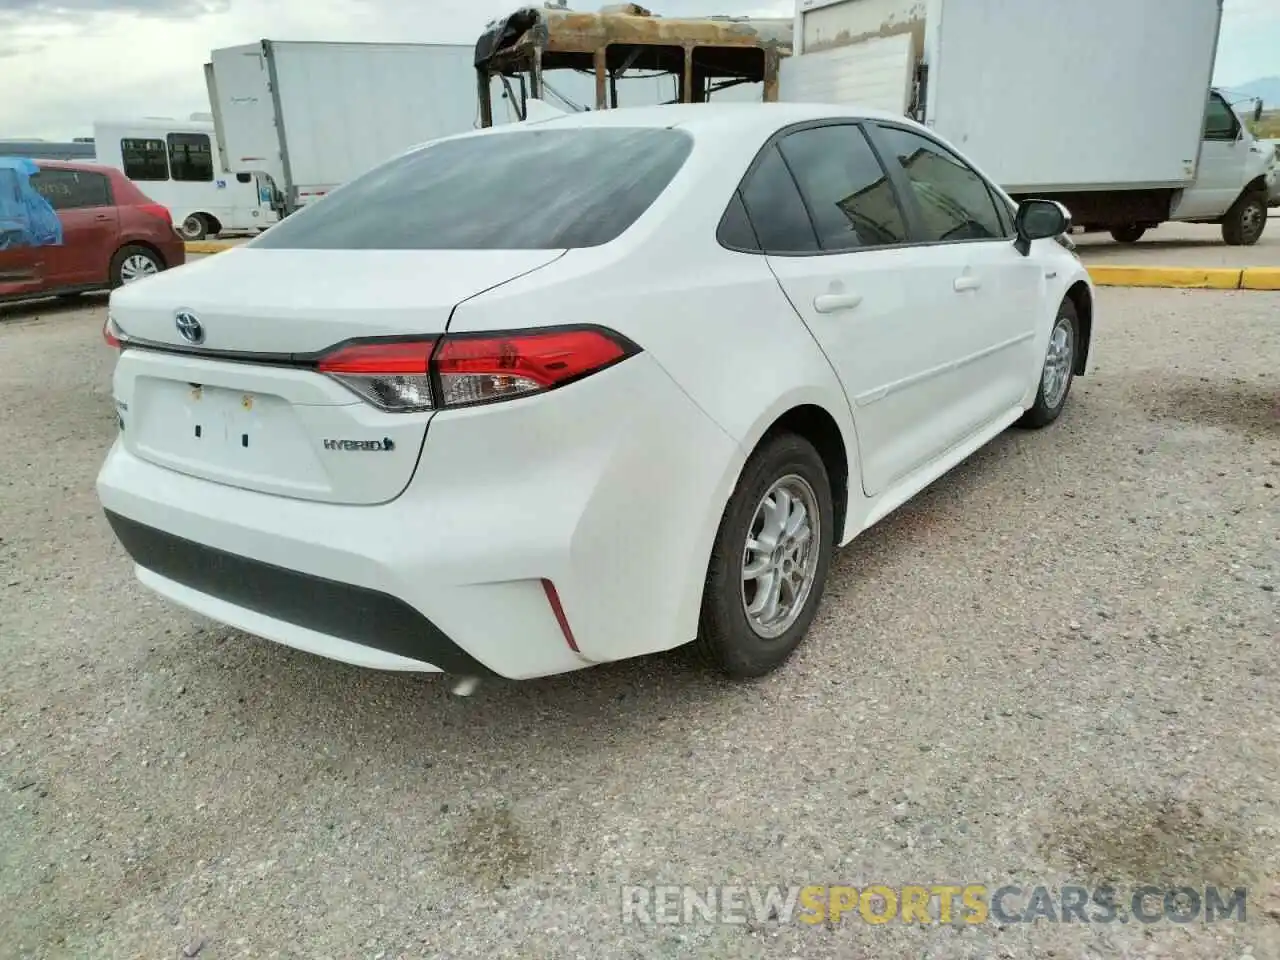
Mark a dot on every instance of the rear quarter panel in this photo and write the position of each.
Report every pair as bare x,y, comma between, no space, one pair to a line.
715,321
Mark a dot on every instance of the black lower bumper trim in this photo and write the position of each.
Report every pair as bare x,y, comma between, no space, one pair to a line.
352,613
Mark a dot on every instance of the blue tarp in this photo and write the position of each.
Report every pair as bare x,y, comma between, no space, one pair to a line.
26,218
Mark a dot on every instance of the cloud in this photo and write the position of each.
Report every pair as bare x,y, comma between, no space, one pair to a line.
155,8
76,61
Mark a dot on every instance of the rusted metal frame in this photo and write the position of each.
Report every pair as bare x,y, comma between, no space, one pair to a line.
772,67
602,71
482,93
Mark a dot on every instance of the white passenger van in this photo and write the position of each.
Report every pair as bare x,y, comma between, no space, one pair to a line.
175,163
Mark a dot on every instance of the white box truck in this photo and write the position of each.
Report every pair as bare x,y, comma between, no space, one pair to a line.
1104,106
312,115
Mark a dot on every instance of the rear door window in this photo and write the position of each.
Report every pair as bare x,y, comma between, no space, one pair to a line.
851,199
525,190
72,189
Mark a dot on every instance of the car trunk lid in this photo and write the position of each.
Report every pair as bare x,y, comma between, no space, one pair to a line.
240,402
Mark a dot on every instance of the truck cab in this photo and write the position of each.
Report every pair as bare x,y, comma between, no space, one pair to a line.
1235,176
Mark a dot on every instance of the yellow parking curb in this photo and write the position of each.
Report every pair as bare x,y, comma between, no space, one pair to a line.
1260,278
208,246
1187,278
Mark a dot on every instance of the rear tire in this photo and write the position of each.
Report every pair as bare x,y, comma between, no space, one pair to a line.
195,227
1243,224
784,492
1130,234
1058,372
133,262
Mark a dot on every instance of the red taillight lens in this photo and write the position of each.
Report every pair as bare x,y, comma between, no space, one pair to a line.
462,370
482,369
156,210
111,334
391,374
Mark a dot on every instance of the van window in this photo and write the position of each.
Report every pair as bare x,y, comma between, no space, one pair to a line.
144,159
191,157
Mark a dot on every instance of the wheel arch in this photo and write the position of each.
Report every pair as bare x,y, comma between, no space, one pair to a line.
1081,297
144,244
833,435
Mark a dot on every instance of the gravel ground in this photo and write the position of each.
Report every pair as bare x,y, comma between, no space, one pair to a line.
1056,665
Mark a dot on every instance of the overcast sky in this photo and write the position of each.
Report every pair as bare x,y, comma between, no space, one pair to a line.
65,63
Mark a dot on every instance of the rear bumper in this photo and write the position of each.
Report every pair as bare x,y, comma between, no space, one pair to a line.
362,617
174,252
613,501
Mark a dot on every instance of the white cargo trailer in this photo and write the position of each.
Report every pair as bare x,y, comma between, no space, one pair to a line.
1104,106
313,115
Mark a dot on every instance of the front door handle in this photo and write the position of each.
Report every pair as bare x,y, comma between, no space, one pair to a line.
102,216
835,302
967,283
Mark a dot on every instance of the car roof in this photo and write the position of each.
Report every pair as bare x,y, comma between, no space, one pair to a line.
717,119
76,165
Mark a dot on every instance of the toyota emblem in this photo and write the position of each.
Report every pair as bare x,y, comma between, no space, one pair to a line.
188,325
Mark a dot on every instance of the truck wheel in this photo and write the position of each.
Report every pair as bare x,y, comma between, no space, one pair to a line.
769,562
195,227
1244,222
1130,234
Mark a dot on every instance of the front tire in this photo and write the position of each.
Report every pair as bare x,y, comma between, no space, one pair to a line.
1243,224
1058,372
770,560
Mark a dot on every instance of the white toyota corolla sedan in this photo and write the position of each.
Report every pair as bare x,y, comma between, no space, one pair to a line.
565,392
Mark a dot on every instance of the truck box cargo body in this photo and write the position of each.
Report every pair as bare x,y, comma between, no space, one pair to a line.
313,115
1097,103
1018,84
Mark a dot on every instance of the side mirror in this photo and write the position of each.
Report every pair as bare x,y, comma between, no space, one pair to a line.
1039,220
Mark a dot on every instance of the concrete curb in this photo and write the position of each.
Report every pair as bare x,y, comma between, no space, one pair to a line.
1184,278
208,246
1188,278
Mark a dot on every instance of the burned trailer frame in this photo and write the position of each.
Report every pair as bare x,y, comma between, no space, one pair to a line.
705,54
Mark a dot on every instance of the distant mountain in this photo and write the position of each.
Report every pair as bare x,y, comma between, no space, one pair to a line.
1268,88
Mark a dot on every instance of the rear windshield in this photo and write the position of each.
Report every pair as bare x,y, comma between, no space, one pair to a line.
526,190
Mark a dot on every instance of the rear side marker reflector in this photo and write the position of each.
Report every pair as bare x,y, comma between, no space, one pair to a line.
553,598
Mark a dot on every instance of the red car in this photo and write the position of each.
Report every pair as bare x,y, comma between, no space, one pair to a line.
112,233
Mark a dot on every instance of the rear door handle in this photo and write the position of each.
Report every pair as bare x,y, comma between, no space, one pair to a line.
102,216
835,302
967,283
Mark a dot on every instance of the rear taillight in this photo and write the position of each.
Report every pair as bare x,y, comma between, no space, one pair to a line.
111,334
156,210
482,369
468,369
394,375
